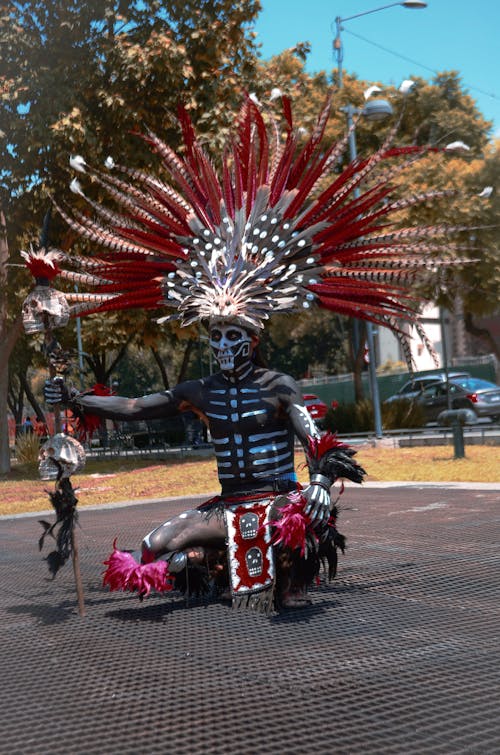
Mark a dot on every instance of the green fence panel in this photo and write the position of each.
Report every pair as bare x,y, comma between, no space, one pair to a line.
342,389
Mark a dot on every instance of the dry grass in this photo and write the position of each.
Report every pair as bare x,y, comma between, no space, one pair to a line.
431,464
112,480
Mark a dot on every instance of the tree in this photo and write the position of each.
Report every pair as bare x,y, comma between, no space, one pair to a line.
78,77
298,344
9,332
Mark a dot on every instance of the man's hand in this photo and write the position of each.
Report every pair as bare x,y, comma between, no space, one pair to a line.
318,500
55,391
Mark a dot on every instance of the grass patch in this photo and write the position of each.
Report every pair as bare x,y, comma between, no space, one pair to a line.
431,464
112,480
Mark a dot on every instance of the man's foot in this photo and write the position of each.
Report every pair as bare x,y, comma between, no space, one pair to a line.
196,555
296,599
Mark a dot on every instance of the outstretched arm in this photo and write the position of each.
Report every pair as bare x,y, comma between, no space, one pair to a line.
155,406
163,404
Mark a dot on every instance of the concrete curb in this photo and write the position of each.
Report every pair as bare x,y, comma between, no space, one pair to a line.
196,499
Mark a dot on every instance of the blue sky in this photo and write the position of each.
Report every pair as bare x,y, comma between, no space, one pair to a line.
447,35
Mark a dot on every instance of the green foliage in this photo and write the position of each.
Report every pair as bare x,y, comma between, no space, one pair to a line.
350,418
402,414
137,374
297,344
27,449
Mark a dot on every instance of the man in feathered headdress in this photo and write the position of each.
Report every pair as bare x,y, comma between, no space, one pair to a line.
276,230
254,415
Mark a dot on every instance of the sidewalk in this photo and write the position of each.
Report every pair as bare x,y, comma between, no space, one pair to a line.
194,500
399,654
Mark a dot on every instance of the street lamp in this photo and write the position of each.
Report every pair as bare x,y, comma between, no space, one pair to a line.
375,110
337,42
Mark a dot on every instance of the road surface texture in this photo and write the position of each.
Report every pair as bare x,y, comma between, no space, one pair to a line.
400,654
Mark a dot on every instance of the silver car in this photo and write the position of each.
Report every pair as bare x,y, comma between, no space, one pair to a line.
479,396
414,388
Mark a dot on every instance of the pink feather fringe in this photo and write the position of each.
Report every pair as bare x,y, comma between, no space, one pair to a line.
293,525
124,573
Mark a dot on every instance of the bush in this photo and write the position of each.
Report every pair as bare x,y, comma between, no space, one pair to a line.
359,417
402,414
27,449
350,418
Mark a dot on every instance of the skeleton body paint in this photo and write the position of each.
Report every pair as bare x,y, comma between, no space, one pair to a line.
254,415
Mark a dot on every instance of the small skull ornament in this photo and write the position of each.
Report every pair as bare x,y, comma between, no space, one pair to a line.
254,562
60,457
249,525
43,308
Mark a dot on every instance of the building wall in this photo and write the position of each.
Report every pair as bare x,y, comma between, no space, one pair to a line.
389,349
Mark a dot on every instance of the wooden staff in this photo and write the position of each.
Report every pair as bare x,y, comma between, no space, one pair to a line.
49,341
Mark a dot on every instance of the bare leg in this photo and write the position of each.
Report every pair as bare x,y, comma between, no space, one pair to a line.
191,528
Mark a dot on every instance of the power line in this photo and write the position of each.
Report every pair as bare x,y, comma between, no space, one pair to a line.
415,62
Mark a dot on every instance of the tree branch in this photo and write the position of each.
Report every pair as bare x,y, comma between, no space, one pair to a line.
483,333
161,367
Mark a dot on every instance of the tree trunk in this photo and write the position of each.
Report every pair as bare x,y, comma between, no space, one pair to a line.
161,367
482,333
97,362
357,351
15,402
185,360
4,427
485,335
31,398
8,337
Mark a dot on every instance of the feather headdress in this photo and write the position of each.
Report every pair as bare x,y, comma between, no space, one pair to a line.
272,229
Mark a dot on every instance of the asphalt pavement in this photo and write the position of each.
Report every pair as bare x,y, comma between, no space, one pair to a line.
400,654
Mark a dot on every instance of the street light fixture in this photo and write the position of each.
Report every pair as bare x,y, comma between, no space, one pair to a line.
337,42
374,110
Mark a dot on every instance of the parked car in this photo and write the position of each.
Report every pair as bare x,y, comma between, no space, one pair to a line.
414,388
478,396
315,406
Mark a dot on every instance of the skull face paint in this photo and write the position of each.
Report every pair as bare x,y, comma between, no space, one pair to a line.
231,346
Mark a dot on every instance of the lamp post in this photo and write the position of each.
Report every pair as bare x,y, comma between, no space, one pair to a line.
337,42
374,110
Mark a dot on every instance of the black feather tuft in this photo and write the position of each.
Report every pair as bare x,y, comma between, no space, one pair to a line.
340,463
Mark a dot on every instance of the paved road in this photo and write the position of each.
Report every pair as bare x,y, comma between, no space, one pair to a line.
399,655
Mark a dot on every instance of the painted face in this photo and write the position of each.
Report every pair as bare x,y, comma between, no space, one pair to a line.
231,346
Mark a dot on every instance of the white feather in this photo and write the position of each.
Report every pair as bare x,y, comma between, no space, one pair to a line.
457,145
77,162
75,187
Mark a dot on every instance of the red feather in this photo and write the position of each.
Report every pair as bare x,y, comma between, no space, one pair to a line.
39,268
293,525
318,447
124,573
